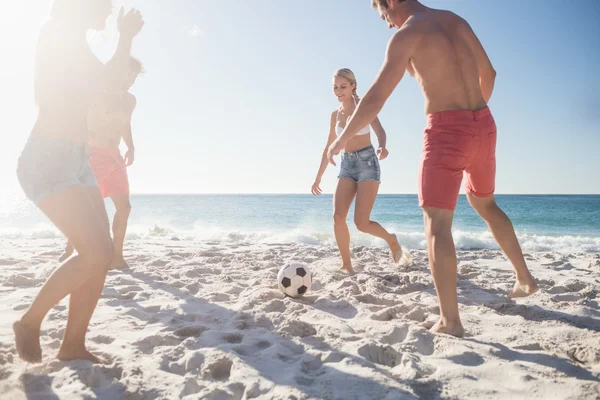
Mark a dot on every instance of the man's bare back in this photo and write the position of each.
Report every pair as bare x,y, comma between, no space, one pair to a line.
446,62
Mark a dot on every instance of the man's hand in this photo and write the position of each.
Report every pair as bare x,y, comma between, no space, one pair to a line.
334,150
130,24
382,153
129,157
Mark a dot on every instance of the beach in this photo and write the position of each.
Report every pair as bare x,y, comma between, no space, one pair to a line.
203,319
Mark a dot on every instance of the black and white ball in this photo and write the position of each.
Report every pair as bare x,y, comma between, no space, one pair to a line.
294,279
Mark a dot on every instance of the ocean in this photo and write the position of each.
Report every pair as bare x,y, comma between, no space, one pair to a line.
561,223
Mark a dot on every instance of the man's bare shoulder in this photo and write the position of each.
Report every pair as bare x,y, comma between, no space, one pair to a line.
408,34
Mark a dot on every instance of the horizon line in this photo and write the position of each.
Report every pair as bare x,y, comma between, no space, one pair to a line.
309,194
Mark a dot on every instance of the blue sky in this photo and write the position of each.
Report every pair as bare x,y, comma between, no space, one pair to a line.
237,95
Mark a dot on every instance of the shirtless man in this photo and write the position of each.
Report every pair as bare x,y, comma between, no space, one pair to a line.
441,51
110,121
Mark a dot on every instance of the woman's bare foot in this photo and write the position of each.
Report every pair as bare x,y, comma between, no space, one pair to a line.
454,328
27,342
398,255
78,354
523,288
347,269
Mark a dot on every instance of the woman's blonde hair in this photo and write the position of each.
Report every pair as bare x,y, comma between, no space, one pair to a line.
347,74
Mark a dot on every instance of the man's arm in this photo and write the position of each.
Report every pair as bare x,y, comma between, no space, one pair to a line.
127,135
487,73
398,54
129,25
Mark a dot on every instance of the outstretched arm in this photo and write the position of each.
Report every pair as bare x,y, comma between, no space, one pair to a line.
129,25
316,190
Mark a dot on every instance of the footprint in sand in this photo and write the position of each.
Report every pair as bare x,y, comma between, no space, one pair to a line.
569,297
21,281
468,271
218,367
390,313
276,305
190,331
148,344
158,263
378,354
559,265
371,299
417,314
298,328
396,335
97,376
333,357
411,367
233,338
128,292
152,309
420,341
468,359
20,307
103,339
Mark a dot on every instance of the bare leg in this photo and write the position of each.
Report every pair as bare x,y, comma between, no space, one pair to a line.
504,233
342,199
119,228
83,301
75,214
365,199
68,252
442,261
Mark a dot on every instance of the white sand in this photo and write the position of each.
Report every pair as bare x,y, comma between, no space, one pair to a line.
206,321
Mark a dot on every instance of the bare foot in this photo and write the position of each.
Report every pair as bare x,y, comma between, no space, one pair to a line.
399,256
454,329
27,342
119,263
347,269
78,354
523,289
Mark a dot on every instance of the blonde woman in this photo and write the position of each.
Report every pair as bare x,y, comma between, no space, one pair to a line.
359,175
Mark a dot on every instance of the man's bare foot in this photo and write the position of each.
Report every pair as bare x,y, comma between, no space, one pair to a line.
78,354
523,289
347,269
454,329
119,263
27,342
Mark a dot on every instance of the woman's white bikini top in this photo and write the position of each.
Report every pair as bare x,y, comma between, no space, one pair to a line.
339,129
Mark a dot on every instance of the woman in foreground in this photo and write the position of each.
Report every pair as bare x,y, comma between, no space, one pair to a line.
54,170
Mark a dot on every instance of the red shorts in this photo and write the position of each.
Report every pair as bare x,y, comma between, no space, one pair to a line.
110,170
457,142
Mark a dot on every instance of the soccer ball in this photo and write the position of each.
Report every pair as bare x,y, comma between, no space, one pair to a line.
294,279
